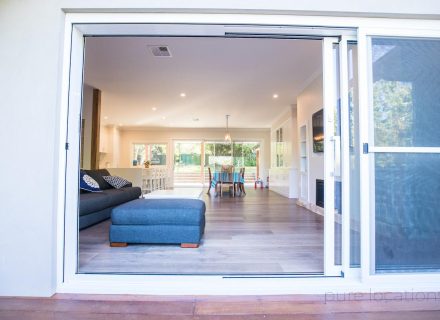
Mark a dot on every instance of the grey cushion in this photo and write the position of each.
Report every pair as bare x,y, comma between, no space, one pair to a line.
160,212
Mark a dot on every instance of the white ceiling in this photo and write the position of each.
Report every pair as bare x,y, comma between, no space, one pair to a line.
219,76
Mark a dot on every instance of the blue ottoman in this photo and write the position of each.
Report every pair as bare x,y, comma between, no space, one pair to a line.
173,221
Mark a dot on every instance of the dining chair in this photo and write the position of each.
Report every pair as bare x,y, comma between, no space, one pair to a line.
227,177
241,183
210,181
238,184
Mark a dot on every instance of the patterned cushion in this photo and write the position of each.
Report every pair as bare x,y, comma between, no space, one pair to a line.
116,182
87,183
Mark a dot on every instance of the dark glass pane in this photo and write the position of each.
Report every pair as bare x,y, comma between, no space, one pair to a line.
407,211
406,95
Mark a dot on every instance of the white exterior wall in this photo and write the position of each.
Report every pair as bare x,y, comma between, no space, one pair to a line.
31,40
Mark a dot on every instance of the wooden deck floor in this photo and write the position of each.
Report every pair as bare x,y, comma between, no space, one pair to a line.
262,232
298,307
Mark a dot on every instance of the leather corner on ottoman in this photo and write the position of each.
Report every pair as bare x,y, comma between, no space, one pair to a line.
159,221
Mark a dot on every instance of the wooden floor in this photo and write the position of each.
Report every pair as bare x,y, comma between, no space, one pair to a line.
298,307
262,232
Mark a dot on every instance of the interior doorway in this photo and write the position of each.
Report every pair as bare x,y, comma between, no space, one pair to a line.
188,165
330,231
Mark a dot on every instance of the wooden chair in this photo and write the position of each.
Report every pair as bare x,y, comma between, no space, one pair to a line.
210,181
229,170
238,184
241,184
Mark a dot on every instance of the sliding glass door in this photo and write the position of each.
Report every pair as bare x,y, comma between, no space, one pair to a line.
341,156
240,154
188,163
404,152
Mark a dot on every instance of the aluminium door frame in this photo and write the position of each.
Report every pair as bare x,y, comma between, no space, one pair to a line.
367,169
79,24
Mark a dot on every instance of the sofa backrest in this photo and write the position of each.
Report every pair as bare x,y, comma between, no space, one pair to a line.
97,175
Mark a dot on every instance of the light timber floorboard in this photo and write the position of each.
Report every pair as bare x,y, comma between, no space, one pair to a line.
261,232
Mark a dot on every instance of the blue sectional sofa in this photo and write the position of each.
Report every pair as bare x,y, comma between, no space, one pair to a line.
95,207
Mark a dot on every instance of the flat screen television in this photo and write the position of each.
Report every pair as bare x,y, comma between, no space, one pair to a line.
318,131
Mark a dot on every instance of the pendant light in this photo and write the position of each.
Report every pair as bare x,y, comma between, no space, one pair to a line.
227,135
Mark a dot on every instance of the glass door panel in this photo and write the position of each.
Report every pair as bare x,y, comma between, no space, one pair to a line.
405,112
187,163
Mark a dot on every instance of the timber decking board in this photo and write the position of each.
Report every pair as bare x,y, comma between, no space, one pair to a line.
133,307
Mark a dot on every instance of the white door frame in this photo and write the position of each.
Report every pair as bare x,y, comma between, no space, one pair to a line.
79,24
329,101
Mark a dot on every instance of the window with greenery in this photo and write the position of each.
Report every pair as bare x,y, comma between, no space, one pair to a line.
239,154
156,153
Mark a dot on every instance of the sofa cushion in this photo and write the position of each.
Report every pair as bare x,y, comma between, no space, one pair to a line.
97,175
116,182
91,202
160,212
87,183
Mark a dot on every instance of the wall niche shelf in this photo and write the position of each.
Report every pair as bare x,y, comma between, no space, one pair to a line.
304,163
303,148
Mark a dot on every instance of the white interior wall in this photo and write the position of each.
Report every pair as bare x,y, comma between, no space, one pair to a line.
30,88
87,114
284,179
284,122
116,140
109,146
309,102
167,135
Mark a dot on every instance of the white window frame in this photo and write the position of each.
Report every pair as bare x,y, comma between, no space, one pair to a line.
78,24
147,153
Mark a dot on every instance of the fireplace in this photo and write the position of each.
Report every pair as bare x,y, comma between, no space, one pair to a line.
320,193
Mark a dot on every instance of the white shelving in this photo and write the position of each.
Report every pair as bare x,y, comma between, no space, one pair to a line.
303,149
304,162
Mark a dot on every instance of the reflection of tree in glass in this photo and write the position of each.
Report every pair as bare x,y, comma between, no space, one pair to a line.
393,117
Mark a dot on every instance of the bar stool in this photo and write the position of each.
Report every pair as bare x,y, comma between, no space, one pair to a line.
147,182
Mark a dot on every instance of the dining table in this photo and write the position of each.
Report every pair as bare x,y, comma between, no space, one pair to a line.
220,177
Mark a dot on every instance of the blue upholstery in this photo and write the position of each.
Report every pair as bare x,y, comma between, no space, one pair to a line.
171,221
94,217
163,234
160,211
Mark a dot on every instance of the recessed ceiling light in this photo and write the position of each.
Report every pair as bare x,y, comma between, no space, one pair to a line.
163,118
154,108
275,96
105,118
183,94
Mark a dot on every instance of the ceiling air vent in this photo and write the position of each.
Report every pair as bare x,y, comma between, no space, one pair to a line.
160,51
